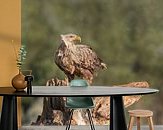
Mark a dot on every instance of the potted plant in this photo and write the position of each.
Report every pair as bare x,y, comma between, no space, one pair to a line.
18,81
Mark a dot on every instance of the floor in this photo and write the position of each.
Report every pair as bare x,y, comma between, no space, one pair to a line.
157,127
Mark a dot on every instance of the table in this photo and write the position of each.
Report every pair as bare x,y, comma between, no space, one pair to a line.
117,117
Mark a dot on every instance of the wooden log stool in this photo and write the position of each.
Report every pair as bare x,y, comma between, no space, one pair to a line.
138,114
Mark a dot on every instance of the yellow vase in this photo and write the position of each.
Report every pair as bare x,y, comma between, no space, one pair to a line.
18,82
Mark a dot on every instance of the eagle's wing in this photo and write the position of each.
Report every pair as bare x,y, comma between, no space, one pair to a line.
84,57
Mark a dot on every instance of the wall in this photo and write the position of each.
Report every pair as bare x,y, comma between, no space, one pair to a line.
10,29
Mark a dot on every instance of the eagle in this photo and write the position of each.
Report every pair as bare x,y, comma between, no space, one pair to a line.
76,59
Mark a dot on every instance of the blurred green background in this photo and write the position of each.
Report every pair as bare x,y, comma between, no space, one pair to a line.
127,35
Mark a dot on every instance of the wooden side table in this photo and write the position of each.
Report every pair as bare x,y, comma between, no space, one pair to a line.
139,114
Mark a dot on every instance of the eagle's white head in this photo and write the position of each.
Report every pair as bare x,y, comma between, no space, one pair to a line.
70,39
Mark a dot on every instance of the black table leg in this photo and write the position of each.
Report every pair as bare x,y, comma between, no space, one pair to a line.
9,114
117,116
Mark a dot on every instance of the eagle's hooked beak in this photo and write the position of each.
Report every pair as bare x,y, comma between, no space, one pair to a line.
78,38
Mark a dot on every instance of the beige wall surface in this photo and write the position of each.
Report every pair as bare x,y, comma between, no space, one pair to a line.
10,29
